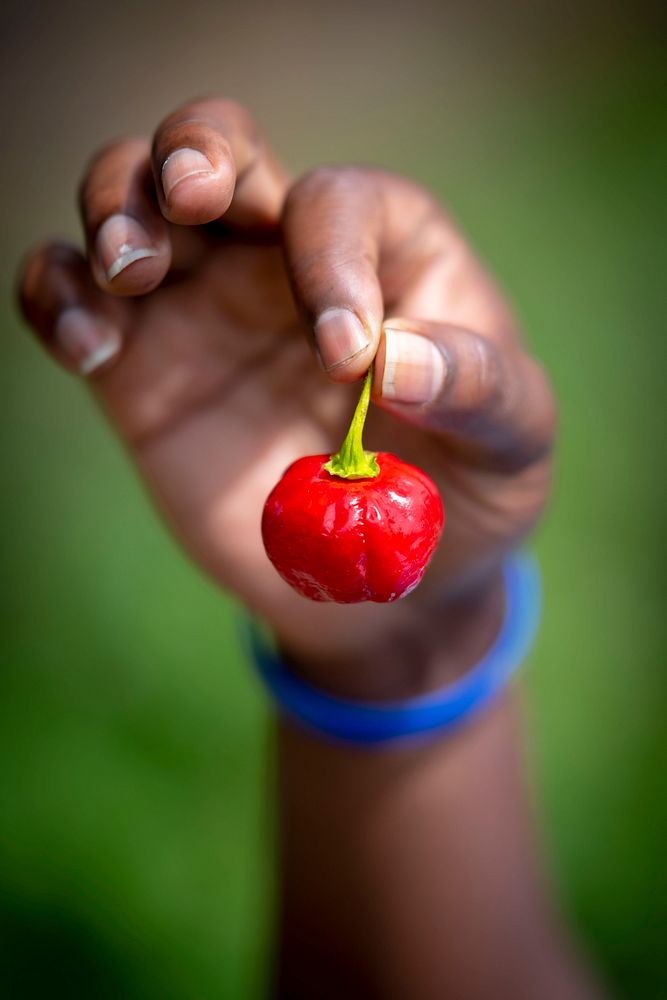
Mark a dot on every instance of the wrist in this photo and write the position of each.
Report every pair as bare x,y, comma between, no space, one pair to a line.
419,651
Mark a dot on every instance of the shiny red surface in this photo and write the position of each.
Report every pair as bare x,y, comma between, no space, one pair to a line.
351,540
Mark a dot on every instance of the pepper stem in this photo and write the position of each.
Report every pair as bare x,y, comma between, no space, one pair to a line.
352,462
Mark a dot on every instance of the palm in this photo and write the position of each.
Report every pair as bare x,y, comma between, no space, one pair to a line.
218,392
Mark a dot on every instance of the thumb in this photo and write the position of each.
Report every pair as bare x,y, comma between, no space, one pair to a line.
490,401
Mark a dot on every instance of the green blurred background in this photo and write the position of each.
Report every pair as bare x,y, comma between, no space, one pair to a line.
135,816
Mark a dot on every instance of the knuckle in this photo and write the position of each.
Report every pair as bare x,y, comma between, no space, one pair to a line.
548,417
38,272
30,281
488,370
35,264
104,173
484,367
113,153
423,196
237,120
212,106
234,112
326,181
28,277
474,380
219,115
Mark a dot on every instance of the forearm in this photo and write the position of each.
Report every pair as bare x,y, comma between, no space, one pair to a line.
414,872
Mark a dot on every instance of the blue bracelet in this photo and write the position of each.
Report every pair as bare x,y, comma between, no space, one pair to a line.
369,723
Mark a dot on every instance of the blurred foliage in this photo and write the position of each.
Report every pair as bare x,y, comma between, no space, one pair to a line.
134,815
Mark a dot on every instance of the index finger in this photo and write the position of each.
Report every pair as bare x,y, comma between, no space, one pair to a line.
360,243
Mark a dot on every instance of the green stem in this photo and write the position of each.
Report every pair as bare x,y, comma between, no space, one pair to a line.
352,462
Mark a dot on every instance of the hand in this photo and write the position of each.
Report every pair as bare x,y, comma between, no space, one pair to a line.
206,279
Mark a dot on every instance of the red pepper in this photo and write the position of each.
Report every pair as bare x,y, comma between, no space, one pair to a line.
355,527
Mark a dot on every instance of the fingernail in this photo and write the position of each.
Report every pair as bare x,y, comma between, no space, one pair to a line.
120,242
340,335
88,340
414,368
183,163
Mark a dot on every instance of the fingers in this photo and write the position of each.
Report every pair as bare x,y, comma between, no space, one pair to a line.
80,326
332,231
490,400
126,235
361,242
209,160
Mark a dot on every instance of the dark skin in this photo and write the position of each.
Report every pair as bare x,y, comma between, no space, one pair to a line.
210,277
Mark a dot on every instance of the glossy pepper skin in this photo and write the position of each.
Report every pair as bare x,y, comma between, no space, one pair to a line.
352,540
